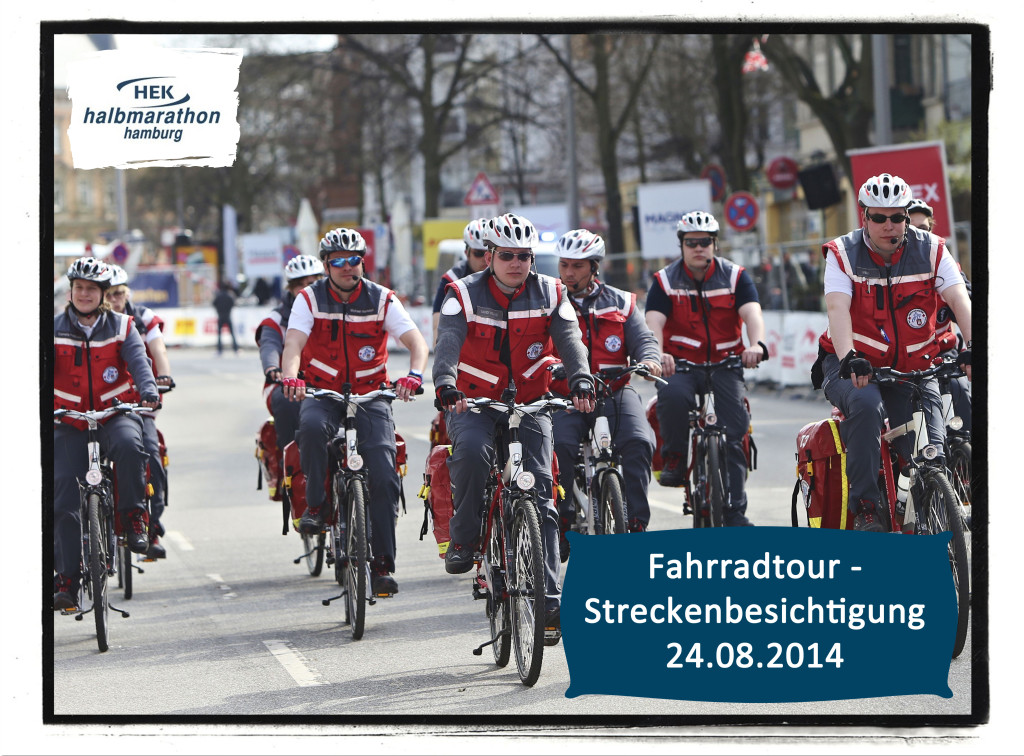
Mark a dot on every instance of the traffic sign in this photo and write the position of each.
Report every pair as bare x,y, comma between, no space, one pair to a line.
741,211
481,192
716,175
119,253
782,173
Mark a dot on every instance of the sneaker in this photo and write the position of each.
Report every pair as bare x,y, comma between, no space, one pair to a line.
155,550
136,531
458,559
866,518
552,626
673,474
65,593
636,526
383,584
312,521
735,518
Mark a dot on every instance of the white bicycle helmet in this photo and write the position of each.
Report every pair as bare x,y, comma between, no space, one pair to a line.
885,190
920,206
474,234
119,276
510,230
90,269
696,221
342,240
580,245
302,266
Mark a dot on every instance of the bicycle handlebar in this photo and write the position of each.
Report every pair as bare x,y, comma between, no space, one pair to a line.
891,375
384,393
537,406
123,408
733,360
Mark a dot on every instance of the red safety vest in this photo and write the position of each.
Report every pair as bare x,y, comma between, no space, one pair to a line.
894,306
602,317
525,321
705,325
89,374
348,343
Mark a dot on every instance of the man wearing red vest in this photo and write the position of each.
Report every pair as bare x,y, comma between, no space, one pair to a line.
99,357
614,333
338,333
505,323
881,282
697,307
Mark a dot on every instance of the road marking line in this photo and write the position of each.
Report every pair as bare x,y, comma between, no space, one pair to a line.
180,540
228,593
294,663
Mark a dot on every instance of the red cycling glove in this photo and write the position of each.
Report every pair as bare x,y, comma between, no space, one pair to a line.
411,382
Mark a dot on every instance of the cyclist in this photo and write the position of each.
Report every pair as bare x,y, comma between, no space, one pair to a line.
94,352
880,284
498,325
150,327
300,272
697,307
338,333
474,261
614,333
922,216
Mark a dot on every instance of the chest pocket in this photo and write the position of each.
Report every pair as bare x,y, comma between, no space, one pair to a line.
529,338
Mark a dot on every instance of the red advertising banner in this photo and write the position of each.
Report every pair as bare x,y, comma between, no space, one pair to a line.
920,164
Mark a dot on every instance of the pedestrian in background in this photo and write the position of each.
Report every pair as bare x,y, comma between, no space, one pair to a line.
223,304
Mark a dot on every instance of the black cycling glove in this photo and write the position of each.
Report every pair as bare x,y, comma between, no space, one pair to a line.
447,396
582,388
853,364
964,358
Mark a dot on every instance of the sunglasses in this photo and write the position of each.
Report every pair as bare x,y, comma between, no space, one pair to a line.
478,252
707,241
510,256
340,262
879,218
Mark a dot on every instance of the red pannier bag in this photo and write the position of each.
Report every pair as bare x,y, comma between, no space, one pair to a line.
822,481
269,458
438,431
436,493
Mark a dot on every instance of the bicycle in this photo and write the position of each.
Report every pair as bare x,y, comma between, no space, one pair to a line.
598,463
708,488
958,447
345,543
100,542
931,505
509,549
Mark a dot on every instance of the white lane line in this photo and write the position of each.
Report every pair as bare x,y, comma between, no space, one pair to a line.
180,541
294,663
228,593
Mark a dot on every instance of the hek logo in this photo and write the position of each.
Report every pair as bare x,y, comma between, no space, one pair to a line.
152,95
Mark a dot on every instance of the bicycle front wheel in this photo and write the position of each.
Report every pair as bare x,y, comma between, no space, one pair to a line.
960,472
940,513
699,488
526,587
611,507
498,604
97,551
124,569
356,558
716,488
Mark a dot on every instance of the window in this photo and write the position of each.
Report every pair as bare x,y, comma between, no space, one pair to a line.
84,192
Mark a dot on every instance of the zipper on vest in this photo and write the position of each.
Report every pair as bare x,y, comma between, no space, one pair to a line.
344,338
704,317
88,368
892,316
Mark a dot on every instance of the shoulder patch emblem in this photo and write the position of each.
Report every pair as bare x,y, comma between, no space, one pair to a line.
566,312
451,306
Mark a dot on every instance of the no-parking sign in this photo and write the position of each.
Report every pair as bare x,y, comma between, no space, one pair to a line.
741,211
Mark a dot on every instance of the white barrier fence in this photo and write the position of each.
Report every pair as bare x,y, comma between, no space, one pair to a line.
792,337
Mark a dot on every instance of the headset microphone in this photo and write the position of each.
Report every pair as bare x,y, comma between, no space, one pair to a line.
894,240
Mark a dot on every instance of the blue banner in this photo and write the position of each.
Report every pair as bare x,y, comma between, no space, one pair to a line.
154,289
758,615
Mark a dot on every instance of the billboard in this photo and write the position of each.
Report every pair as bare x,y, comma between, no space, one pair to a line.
922,165
435,231
660,207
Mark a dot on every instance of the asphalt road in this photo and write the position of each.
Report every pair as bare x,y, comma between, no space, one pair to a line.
228,625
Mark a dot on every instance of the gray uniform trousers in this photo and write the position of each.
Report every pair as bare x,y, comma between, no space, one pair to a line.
679,397
633,439
121,441
286,417
472,436
157,475
319,420
864,412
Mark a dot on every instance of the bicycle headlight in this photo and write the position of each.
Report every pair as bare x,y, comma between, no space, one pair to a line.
956,423
355,462
711,419
93,477
525,480
930,451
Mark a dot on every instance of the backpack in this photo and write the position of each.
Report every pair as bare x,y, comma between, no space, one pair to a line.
436,493
821,477
269,458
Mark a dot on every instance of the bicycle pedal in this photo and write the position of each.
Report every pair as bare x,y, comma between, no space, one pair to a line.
551,636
